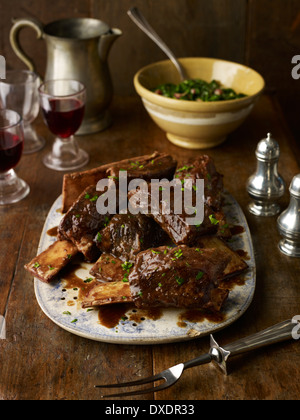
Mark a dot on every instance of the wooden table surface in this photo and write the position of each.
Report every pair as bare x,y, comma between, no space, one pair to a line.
39,360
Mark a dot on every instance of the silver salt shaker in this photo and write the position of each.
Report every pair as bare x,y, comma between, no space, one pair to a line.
266,186
289,222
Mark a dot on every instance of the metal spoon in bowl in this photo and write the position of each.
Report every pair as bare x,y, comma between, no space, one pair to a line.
142,23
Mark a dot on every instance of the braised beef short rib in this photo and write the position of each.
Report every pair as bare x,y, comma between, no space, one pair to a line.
180,277
82,222
204,168
178,225
155,166
126,235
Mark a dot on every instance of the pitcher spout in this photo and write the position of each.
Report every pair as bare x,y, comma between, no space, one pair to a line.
106,42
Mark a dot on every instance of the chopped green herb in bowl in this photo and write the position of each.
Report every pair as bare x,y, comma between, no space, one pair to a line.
197,90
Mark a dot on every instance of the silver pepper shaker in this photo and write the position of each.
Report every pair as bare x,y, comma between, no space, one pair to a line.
266,186
289,222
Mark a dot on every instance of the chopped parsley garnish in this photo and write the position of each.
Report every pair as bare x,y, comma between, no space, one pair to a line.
199,275
95,198
106,221
99,237
179,280
185,168
178,253
135,165
37,265
198,90
125,278
213,220
127,266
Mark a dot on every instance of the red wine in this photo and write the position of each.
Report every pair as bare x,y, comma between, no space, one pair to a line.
11,148
64,116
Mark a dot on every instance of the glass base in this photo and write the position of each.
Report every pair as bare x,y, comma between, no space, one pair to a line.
32,141
12,188
66,156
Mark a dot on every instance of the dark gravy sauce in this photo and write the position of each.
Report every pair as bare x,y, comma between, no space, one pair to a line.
237,230
198,315
53,232
72,281
111,315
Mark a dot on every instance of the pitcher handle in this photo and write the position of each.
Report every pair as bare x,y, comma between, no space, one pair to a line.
19,24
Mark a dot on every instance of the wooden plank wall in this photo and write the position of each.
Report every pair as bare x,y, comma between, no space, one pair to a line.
264,34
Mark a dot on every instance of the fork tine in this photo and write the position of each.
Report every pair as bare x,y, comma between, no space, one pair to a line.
165,385
143,381
170,376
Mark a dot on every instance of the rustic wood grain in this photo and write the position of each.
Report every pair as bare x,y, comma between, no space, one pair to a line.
273,38
248,31
190,28
39,360
42,11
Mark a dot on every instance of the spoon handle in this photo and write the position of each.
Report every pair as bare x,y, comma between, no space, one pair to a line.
142,23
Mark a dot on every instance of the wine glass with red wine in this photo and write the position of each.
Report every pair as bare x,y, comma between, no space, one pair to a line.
19,91
63,103
12,188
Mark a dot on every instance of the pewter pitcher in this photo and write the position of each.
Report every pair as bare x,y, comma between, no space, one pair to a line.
76,49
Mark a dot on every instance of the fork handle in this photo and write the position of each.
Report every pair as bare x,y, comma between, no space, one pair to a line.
275,334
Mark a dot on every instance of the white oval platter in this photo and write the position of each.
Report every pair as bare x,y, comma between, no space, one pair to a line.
54,300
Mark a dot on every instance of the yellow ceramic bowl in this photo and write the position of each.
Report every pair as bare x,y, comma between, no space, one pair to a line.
199,125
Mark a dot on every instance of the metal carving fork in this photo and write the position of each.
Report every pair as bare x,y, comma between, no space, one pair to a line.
280,332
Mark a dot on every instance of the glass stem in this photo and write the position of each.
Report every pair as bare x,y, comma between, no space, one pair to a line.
65,149
7,182
7,177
